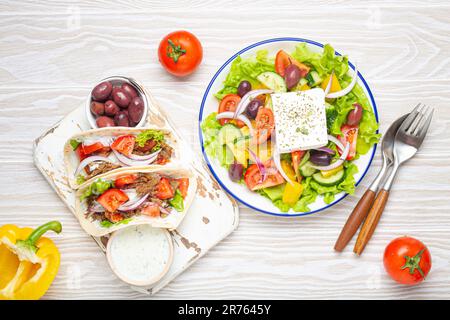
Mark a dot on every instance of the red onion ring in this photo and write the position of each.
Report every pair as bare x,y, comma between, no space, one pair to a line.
277,160
347,89
230,115
132,163
131,206
143,158
327,89
261,167
336,142
88,160
326,150
246,99
164,210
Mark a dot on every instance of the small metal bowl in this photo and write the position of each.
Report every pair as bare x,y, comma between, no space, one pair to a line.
118,80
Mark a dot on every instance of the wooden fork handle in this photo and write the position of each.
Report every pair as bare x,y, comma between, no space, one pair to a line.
354,220
371,221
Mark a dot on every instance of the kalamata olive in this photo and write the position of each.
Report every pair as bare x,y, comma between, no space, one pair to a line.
97,108
243,88
129,89
136,109
121,98
121,119
320,158
291,76
111,108
235,171
102,91
105,121
253,107
354,116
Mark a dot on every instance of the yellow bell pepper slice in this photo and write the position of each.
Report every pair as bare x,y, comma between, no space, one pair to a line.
292,193
287,168
331,172
28,261
335,86
304,87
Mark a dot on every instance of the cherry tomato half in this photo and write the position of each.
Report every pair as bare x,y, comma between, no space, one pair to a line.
180,53
265,123
122,181
350,135
164,189
283,59
230,103
183,185
91,148
253,177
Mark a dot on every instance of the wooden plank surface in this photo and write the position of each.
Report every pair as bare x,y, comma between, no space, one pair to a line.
51,53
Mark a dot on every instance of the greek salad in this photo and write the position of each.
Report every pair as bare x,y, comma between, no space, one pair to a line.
290,127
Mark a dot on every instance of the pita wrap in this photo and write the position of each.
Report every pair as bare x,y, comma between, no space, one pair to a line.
107,161
95,221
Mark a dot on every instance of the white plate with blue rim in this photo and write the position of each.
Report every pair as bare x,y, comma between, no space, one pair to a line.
210,104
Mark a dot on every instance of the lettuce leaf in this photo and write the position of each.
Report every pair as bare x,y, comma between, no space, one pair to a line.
96,188
309,195
245,69
177,201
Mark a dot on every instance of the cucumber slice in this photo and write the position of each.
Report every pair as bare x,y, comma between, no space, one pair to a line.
336,178
304,159
315,78
302,82
307,170
272,81
228,134
225,155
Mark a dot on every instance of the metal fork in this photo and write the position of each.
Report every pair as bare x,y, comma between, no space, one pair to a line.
407,141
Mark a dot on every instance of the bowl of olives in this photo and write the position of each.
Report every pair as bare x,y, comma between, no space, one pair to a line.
117,102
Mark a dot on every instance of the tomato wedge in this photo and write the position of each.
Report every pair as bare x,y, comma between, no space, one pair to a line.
265,123
113,217
151,209
350,134
164,189
252,176
183,185
122,181
92,148
80,153
283,59
230,103
124,144
296,159
112,199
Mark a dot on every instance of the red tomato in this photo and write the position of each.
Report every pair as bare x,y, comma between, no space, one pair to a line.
113,217
80,153
407,260
283,59
229,103
164,189
296,159
124,144
92,148
183,185
351,136
265,123
111,199
151,209
122,181
180,53
253,177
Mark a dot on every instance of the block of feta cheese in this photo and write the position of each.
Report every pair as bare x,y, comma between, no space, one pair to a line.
300,120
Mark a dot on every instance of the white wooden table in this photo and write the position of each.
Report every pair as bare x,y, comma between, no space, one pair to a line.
51,53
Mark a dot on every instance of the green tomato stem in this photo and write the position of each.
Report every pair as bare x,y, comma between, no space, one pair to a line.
37,233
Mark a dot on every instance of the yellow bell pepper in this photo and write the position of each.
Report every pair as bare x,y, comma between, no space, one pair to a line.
335,86
305,87
28,261
329,173
292,193
287,168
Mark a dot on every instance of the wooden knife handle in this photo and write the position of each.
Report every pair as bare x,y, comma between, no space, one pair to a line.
371,221
354,220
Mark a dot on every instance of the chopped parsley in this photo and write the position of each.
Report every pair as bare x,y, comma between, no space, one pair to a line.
150,134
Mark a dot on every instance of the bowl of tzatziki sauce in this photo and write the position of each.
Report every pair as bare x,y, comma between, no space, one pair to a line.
140,255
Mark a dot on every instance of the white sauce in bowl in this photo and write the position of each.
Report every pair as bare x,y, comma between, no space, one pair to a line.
141,254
